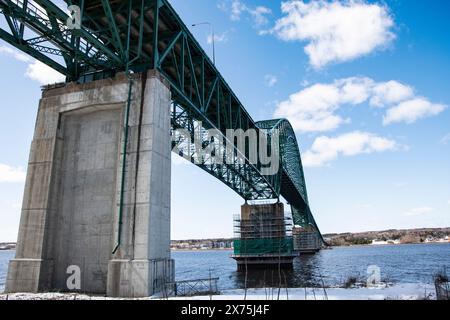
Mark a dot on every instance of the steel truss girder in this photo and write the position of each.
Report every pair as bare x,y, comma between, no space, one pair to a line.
138,35
292,181
48,22
244,178
32,52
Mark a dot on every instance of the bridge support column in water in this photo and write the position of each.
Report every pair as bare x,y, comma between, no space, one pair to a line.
96,207
263,237
306,240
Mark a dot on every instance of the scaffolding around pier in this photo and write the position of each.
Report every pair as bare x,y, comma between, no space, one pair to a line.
305,240
263,236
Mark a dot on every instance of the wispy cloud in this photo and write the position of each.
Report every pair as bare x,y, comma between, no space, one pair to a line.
335,31
36,70
237,9
270,80
259,15
222,37
418,211
10,174
326,149
315,108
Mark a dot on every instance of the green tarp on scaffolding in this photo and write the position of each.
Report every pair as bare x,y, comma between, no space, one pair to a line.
263,246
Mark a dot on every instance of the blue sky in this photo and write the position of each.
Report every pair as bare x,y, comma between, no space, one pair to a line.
365,84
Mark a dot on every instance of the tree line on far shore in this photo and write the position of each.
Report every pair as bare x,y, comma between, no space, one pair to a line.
392,236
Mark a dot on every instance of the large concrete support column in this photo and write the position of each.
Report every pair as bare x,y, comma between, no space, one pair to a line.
141,265
74,195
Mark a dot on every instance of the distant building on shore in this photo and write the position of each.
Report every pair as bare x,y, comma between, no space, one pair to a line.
8,246
387,237
205,244
377,242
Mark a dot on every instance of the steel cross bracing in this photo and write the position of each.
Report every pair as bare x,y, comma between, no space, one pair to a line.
138,35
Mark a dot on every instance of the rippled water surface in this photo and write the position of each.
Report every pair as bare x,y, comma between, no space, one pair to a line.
398,264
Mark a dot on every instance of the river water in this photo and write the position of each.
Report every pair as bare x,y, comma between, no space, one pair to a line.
415,263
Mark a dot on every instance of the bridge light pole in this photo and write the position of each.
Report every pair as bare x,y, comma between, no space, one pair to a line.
212,37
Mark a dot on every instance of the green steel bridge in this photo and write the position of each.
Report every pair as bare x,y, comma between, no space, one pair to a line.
139,35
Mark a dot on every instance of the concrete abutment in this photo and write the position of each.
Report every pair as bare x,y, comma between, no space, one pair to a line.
74,191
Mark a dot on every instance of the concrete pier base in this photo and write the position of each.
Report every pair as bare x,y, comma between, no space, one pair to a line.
139,278
74,195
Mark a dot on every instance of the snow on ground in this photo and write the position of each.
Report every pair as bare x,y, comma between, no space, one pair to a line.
395,292
410,291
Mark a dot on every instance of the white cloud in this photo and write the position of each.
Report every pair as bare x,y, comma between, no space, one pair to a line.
10,174
36,70
335,31
43,74
259,15
314,108
270,80
412,110
238,8
304,83
325,149
14,54
418,211
387,93
223,37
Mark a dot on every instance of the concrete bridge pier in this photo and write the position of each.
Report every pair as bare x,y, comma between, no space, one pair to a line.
77,208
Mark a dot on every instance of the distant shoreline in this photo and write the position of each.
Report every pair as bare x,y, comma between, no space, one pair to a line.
203,250
388,244
334,240
342,246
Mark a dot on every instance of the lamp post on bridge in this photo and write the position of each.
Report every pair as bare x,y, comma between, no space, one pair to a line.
212,37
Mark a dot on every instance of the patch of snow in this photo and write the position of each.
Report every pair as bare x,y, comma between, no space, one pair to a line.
405,291
396,292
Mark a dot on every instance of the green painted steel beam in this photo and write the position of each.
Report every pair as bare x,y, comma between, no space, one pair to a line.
148,34
168,49
35,21
115,33
51,8
32,52
12,27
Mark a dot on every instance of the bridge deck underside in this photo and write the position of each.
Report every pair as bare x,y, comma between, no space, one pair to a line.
139,35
